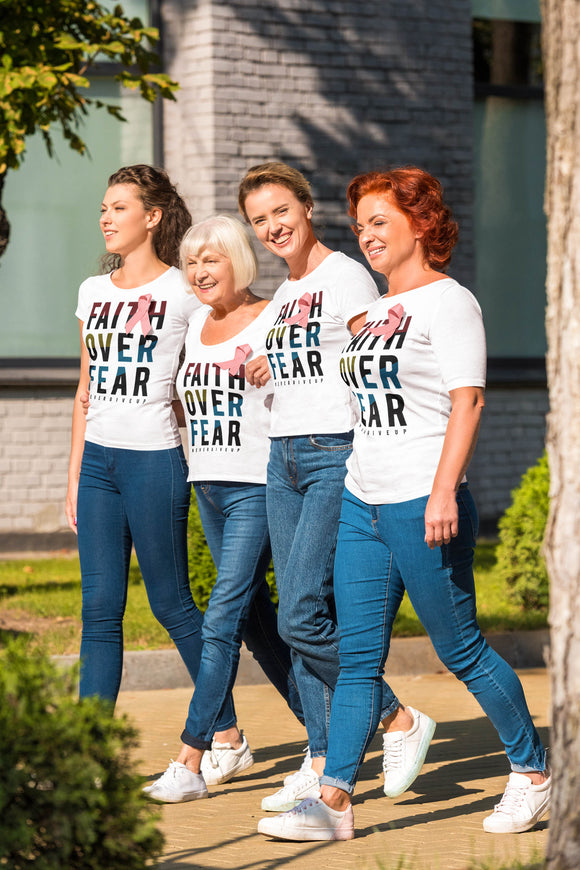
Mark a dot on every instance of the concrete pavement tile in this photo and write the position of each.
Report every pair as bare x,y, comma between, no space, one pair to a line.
437,824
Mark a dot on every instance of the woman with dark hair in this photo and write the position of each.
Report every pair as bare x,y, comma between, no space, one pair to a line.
313,414
417,368
127,471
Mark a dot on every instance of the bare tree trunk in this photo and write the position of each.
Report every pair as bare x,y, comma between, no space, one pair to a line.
4,225
561,37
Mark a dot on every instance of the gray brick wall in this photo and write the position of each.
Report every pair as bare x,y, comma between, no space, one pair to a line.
333,88
511,440
34,449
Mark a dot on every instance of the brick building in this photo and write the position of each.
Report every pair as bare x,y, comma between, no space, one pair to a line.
333,87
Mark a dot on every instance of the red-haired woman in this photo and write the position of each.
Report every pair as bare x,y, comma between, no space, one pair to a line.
417,368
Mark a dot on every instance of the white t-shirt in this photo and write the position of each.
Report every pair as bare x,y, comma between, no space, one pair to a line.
227,419
402,385
304,342
134,347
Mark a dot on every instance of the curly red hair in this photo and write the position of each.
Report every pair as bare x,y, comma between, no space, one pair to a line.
420,197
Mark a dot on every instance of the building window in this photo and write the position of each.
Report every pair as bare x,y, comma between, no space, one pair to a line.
53,208
509,160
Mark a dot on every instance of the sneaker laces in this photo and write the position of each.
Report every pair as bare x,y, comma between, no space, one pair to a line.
307,762
302,807
393,754
213,759
299,779
171,772
512,799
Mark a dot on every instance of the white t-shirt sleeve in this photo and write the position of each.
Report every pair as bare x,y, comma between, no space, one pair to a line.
458,339
83,302
355,291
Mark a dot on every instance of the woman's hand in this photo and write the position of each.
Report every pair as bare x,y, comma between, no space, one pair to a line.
258,371
79,423
441,513
71,505
441,518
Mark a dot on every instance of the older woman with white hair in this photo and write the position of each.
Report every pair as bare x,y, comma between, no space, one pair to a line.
227,422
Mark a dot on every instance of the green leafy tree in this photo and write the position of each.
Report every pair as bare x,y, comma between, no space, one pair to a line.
46,49
69,795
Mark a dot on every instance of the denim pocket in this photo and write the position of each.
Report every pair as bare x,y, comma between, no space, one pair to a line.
341,441
183,463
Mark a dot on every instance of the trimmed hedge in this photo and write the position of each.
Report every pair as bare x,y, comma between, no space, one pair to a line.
520,562
68,795
202,571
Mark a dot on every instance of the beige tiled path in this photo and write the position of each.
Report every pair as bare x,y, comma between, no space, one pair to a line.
435,826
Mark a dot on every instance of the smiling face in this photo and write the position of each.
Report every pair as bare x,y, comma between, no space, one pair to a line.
212,278
280,220
386,236
124,222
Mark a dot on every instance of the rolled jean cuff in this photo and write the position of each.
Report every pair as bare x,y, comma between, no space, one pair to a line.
392,708
526,768
318,753
195,741
336,783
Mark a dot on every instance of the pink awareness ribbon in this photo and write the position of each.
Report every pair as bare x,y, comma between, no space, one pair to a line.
141,316
394,318
242,353
301,319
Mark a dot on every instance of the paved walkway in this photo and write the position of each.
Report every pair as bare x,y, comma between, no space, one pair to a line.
435,826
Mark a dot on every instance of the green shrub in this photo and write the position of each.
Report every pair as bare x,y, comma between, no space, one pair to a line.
202,571
68,795
520,562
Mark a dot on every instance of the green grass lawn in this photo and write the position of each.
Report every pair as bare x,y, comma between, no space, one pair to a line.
41,598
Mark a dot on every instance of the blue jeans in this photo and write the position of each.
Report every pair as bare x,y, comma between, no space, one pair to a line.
235,524
305,484
140,498
381,552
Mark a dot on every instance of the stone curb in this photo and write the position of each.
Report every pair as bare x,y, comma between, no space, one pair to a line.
408,656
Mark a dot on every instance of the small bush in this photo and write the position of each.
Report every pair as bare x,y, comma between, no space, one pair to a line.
202,571
68,794
520,562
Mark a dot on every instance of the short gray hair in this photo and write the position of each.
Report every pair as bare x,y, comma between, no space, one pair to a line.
228,236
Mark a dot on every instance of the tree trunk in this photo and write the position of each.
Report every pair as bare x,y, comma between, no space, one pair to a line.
4,225
561,38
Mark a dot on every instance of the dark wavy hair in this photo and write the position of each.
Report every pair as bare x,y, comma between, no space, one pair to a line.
420,197
155,191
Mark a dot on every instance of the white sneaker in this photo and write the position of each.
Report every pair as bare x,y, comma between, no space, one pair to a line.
522,806
302,785
222,762
310,820
177,784
404,753
306,765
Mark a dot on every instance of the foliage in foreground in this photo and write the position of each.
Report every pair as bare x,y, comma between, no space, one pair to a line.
68,795
520,563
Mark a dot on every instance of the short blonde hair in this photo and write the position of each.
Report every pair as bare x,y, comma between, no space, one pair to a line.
228,236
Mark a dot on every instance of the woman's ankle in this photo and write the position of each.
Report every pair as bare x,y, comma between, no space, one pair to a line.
335,798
